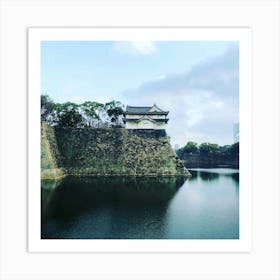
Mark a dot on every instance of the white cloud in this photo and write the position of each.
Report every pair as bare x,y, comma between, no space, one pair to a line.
193,116
135,47
160,77
203,103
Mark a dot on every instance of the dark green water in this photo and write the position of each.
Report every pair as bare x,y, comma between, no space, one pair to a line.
206,206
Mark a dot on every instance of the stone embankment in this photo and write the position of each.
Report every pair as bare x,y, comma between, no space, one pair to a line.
107,152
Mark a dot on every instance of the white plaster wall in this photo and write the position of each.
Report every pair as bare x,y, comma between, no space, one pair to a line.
159,125
162,117
131,125
145,124
133,116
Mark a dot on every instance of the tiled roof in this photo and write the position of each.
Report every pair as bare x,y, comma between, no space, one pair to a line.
155,120
143,110
136,110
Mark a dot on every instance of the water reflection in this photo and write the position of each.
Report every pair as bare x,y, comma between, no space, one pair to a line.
122,207
206,206
47,190
214,174
205,176
235,178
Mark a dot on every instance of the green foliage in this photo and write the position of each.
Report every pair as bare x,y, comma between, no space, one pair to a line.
114,110
209,155
88,114
208,148
92,112
234,149
191,147
68,115
47,107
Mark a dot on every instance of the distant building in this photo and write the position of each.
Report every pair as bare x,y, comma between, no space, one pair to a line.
236,132
176,147
145,117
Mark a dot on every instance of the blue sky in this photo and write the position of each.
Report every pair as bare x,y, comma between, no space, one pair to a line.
198,82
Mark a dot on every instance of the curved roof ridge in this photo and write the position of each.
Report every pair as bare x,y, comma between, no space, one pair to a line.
144,110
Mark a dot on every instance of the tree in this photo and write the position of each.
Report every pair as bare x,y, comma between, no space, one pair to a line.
47,107
114,109
92,112
208,148
87,114
190,148
68,115
224,150
234,149
210,155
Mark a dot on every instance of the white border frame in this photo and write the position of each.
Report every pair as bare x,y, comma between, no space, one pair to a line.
243,35
262,262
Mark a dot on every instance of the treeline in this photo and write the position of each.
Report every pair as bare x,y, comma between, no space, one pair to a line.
88,114
209,155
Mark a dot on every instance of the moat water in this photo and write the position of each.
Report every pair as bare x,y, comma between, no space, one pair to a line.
205,206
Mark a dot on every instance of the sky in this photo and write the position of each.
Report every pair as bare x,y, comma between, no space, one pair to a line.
196,81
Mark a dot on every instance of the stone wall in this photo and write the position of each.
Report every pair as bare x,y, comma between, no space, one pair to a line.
50,154
108,152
